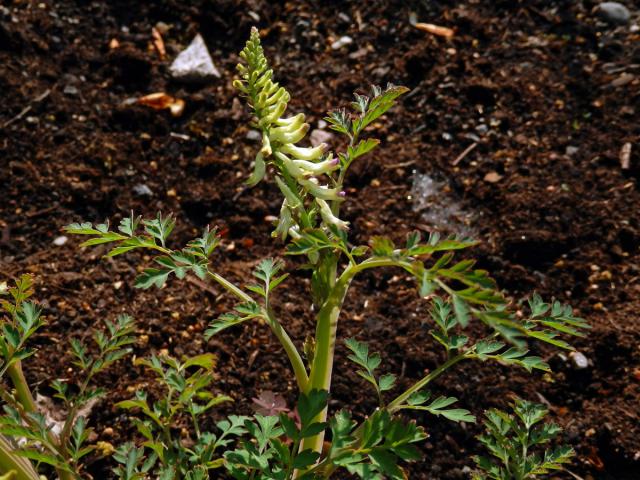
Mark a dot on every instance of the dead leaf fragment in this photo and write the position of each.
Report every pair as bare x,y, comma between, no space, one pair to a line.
492,177
158,43
435,29
161,101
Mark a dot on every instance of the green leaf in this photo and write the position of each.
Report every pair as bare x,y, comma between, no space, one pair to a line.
305,459
160,228
378,106
151,277
461,310
362,148
387,381
310,406
247,311
382,246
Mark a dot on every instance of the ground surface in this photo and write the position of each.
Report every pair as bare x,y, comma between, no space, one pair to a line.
549,94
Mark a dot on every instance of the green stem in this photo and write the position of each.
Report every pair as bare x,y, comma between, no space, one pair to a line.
322,366
400,400
326,329
289,347
10,462
295,359
23,393
230,287
22,387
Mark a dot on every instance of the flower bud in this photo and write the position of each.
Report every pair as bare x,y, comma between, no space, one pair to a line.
328,216
317,191
259,170
305,153
287,135
318,168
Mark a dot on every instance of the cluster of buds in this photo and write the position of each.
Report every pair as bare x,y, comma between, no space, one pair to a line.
301,171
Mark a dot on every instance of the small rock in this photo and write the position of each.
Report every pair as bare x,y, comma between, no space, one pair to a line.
70,90
570,150
254,135
60,241
578,360
447,136
623,79
492,177
194,63
472,136
614,13
142,189
341,42
482,129
320,136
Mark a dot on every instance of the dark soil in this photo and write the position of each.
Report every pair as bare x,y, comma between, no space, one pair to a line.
548,91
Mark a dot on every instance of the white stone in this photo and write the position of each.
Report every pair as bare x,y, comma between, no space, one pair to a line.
341,42
60,241
579,360
194,63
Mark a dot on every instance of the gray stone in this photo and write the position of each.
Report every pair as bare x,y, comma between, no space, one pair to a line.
254,135
570,150
482,129
194,63
142,190
614,13
70,90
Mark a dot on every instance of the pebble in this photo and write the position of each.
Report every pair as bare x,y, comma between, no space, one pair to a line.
194,63
341,42
70,90
492,177
142,189
320,136
578,360
482,129
60,241
614,13
254,135
570,150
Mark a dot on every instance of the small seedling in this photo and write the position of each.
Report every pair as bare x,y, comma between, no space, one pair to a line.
516,441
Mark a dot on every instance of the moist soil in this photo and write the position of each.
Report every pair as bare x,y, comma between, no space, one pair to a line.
546,91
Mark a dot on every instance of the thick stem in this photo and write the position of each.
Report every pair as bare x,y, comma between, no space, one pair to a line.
322,367
22,387
23,393
10,462
326,329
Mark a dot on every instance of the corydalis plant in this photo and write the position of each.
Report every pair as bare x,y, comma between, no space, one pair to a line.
517,444
311,182
28,433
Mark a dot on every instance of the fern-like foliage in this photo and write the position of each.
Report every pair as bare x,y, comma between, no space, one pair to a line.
515,441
